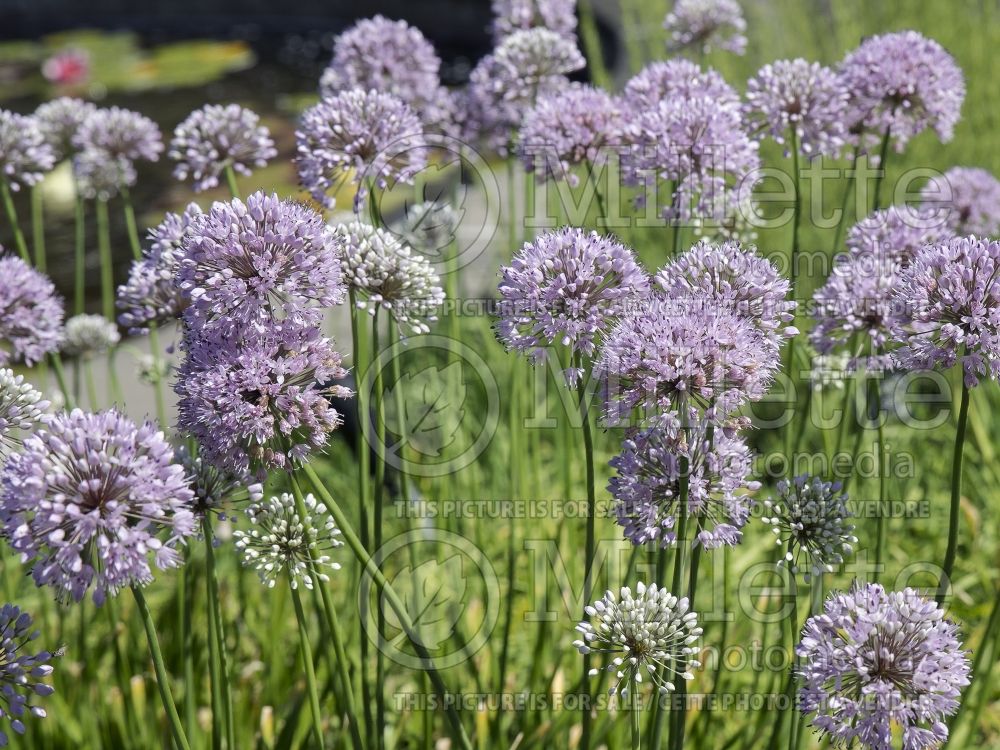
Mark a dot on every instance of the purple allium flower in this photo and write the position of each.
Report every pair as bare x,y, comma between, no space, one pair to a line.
971,197
811,521
25,155
87,498
101,176
386,273
120,134
675,351
804,96
876,665
567,128
704,25
651,635
246,264
31,313
21,673
391,57
647,483
21,409
951,294
567,287
151,294
360,136
59,121
897,233
283,539
518,15
736,277
677,78
904,83
214,489
259,403
215,137
87,335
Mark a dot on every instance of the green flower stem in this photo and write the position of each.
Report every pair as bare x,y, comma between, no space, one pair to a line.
378,510
883,481
602,210
215,686
180,739
234,188
215,615
38,227
185,600
8,204
634,715
104,252
307,661
79,255
883,163
838,234
589,545
385,589
57,368
793,270
592,45
956,495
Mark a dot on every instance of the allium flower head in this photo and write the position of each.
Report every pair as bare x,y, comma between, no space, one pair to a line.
673,79
259,403
517,15
971,197
385,272
811,521
152,295
25,155
21,409
21,672
215,137
216,490
897,233
31,313
87,335
360,136
567,128
649,472
59,120
285,540
736,277
800,96
429,227
878,664
391,57
87,500
100,175
567,287
904,83
120,134
951,294
650,635
704,25
259,261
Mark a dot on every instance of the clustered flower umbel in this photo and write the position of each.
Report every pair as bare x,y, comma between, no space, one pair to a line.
21,409
567,287
87,335
676,78
87,499
517,15
25,155
108,143
385,273
31,313
649,635
902,83
21,672
971,197
217,137
429,227
59,120
370,138
801,98
810,518
897,232
151,294
214,489
704,25
285,539
876,664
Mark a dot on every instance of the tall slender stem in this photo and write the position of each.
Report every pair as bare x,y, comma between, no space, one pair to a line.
634,716
234,188
215,613
307,661
38,227
215,684
57,368
883,480
793,272
838,234
104,252
8,204
592,45
589,544
883,163
79,255
956,495
379,487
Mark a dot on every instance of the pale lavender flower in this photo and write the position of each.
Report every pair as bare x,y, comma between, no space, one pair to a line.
216,137
88,499
214,489
25,155
971,197
649,470
649,635
31,313
102,176
120,134
704,25
59,121
260,402
246,264
802,97
897,233
567,128
86,335
21,672
429,227
951,295
21,410
878,666
811,520
677,78
368,137
567,287
517,15
902,83
151,294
